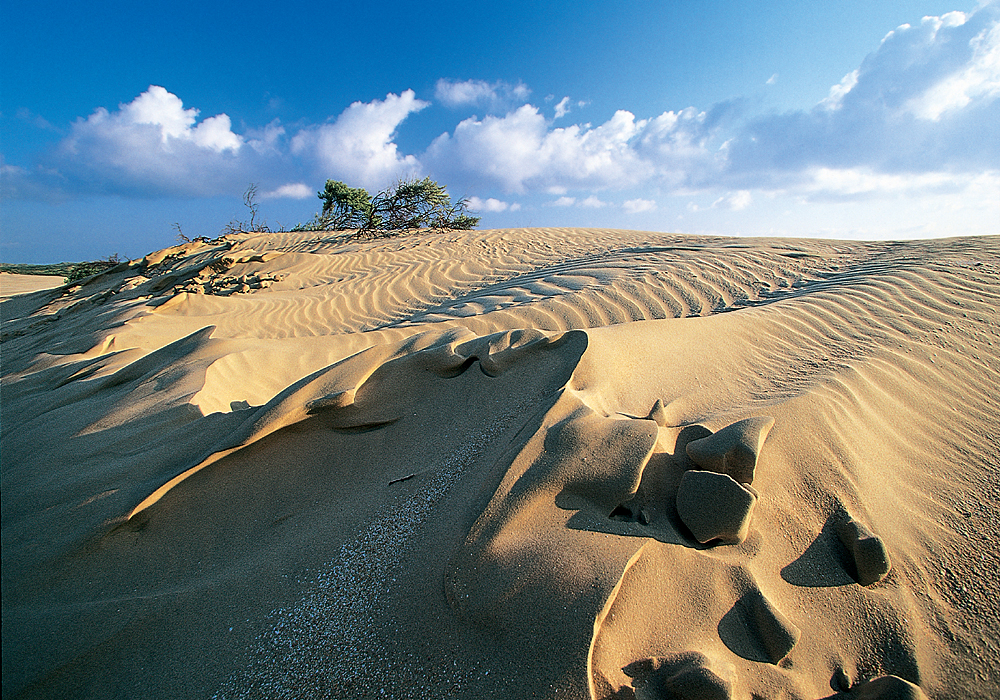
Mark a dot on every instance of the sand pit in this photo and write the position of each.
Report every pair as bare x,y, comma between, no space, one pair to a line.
546,463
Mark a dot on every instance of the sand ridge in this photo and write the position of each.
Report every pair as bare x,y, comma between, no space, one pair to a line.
492,463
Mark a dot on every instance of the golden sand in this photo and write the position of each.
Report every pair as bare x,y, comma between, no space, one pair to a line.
552,463
12,284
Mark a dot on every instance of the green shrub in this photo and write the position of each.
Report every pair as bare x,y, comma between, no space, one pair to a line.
410,204
83,270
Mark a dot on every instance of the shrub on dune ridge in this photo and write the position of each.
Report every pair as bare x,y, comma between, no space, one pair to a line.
408,205
83,270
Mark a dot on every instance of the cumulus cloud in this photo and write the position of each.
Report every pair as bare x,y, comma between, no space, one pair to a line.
295,190
636,206
918,115
979,78
266,141
358,146
734,201
165,111
151,144
853,184
479,93
155,146
522,151
925,101
490,205
592,202
837,92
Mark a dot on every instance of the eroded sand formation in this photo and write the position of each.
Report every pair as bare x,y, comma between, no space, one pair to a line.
535,463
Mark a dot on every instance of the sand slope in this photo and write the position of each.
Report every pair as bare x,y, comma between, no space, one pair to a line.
13,284
527,463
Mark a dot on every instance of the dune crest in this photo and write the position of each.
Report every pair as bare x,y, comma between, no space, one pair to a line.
529,463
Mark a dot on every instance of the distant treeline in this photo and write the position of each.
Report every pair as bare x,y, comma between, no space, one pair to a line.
70,271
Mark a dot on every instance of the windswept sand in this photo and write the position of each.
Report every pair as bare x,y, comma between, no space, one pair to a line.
12,284
552,463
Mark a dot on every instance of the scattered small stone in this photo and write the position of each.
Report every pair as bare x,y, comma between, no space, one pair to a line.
734,449
686,675
840,682
867,551
890,688
715,507
225,285
777,633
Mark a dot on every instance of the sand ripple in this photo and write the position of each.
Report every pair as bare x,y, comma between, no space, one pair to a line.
450,464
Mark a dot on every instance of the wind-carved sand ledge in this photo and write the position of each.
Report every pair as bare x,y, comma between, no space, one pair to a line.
525,463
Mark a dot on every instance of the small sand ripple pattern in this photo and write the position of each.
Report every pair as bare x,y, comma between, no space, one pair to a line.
581,278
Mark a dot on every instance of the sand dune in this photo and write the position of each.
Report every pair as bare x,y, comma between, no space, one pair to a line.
523,463
13,284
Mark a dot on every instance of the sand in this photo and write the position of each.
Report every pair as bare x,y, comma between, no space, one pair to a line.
12,284
545,463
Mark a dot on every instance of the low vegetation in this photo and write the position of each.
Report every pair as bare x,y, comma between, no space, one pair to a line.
253,225
70,271
408,205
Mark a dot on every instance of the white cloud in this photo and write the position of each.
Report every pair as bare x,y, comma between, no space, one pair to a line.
489,205
636,206
592,202
978,78
916,118
925,101
562,108
734,201
837,92
457,94
479,93
151,144
266,140
154,146
165,110
772,80
297,190
855,183
522,151
358,146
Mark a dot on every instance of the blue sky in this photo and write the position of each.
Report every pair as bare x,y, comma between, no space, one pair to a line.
845,119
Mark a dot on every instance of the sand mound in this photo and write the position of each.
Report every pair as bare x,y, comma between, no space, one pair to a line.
533,463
